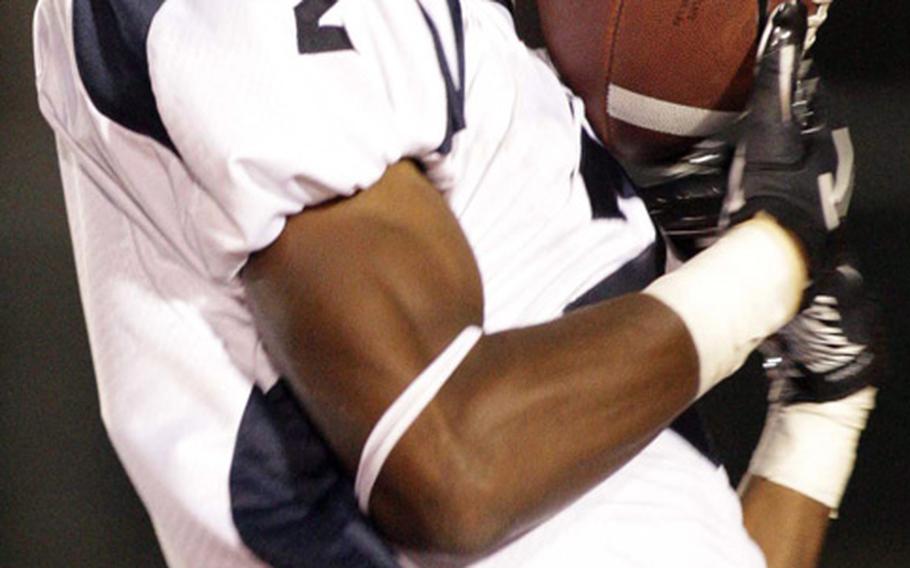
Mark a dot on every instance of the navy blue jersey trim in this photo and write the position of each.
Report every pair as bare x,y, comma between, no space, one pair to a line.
291,501
691,426
110,42
632,277
454,94
507,4
605,179
313,38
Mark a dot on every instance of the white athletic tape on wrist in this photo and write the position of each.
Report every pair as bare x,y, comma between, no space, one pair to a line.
811,447
735,294
405,410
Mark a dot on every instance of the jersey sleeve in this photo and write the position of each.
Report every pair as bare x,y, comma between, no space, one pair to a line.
275,106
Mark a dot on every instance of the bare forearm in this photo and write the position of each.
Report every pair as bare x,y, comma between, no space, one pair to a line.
541,414
788,526
358,297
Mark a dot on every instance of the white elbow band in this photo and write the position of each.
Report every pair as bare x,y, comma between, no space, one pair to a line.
735,294
811,447
405,410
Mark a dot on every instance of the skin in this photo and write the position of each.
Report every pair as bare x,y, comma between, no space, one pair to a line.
358,296
788,526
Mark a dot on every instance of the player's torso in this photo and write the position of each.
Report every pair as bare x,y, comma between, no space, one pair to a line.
176,354
521,186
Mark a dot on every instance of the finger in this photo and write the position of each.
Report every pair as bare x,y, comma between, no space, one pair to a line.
773,136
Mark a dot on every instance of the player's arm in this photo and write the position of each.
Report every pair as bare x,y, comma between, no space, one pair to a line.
357,298
822,367
788,526
822,364
800,470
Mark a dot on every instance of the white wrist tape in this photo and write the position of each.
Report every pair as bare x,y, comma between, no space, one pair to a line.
405,410
811,447
735,294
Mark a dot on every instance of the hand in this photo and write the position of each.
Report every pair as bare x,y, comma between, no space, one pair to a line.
787,140
832,348
824,367
789,162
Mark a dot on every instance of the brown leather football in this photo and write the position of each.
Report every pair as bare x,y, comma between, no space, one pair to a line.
655,75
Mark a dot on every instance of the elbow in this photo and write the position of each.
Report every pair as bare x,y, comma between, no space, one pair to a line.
446,488
441,506
453,520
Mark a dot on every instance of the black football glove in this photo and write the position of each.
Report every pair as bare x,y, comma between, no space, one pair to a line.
789,162
685,197
833,348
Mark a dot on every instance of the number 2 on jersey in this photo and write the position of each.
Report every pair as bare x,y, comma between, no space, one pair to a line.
313,38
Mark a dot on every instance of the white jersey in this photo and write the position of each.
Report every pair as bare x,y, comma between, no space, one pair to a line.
189,130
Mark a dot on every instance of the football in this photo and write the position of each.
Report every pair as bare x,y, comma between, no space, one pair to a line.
655,76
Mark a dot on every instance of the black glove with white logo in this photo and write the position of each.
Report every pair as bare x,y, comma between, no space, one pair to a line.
825,364
833,348
789,162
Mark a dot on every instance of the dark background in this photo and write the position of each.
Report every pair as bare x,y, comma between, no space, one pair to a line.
64,500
